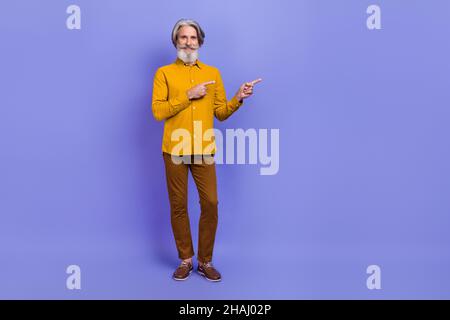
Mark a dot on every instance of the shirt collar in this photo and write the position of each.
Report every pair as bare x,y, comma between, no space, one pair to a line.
197,63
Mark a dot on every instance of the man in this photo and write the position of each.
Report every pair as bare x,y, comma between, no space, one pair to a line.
188,94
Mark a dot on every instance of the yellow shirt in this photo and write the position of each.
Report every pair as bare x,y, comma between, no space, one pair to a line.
188,123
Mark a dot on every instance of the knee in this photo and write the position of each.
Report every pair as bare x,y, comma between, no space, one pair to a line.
178,205
210,202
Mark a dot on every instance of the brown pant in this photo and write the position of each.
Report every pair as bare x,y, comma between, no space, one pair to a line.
204,175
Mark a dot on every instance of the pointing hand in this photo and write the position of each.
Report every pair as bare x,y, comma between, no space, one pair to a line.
246,90
199,90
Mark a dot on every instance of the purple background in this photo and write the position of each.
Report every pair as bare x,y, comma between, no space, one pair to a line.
364,153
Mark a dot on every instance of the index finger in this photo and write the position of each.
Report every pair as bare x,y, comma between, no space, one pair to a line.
208,82
256,81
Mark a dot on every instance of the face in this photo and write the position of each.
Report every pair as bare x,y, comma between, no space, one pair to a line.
187,39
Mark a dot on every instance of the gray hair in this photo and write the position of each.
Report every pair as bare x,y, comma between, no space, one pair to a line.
187,22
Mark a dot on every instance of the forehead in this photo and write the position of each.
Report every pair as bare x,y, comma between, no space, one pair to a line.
187,31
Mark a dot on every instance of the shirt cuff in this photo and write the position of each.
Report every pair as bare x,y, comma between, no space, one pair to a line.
235,103
178,104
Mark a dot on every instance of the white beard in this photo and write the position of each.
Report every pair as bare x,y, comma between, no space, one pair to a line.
188,58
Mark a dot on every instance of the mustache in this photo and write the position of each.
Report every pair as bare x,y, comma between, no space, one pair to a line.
188,47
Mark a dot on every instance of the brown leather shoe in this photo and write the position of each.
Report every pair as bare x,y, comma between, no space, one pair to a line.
183,271
209,272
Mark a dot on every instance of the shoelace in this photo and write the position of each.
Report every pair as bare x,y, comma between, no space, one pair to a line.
207,265
184,263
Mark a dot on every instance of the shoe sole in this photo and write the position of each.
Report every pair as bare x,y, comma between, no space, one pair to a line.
204,275
179,279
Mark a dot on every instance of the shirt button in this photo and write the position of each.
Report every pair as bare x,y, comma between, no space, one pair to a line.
192,80
193,108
